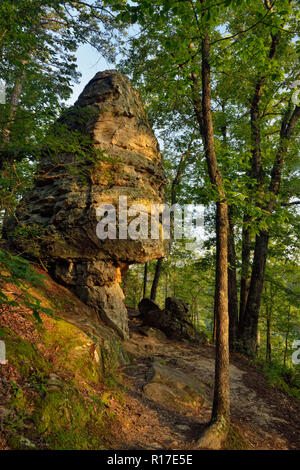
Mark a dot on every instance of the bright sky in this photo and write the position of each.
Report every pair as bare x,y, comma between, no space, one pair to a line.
89,63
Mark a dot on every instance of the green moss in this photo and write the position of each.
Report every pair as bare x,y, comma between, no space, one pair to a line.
112,354
235,441
74,350
15,423
55,403
69,421
24,355
61,419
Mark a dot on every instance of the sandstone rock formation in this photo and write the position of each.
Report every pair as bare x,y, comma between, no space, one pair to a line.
124,161
174,320
173,388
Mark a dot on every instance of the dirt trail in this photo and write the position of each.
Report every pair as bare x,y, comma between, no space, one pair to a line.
262,417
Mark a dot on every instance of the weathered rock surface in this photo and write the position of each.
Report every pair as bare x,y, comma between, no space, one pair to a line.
174,320
153,333
62,205
172,387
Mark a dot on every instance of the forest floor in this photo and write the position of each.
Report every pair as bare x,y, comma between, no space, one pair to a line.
133,409
262,417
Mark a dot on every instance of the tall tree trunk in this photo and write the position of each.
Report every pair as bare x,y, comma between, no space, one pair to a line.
245,271
167,284
156,279
180,169
193,311
221,392
145,280
232,285
125,279
269,348
249,333
216,432
14,103
287,336
269,316
249,324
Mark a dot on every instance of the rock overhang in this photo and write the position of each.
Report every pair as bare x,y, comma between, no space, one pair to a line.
111,114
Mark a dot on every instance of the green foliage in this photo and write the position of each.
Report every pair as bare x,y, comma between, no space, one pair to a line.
38,42
283,377
166,54
18,271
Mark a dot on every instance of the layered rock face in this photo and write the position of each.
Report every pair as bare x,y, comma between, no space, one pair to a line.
62,206
174,320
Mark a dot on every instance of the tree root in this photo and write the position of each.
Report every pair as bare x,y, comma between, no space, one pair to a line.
214,435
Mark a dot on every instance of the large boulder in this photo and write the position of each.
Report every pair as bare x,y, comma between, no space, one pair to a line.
174,320
61,209
178,308
173,388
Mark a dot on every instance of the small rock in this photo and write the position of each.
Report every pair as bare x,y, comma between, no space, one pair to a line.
27,443
4,412
173,388
182,427
153,333
54,383
155,445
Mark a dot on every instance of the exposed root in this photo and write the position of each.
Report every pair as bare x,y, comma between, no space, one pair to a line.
214,436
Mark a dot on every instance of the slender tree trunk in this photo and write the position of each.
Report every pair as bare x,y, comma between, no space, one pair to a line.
268,351
245,271
156,279
215,434
167,285
197,314
232,285
287,336
249,333
14,103
145,280
221,393
251,312
193,311
124,287
180,169
268,316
